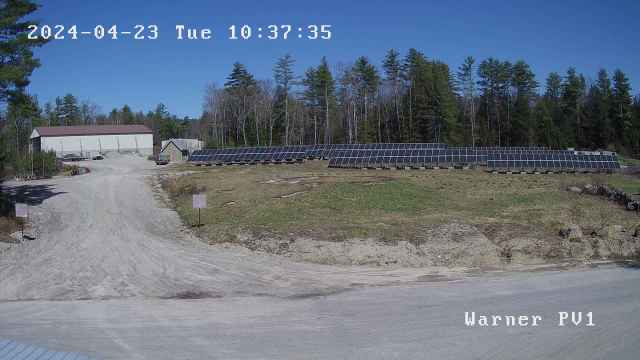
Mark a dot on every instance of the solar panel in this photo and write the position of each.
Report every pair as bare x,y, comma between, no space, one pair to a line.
416,155
553,160
249,155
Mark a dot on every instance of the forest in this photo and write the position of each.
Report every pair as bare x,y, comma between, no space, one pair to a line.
415,98
410,97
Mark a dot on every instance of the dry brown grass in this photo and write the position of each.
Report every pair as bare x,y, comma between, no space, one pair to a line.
8,226
334,204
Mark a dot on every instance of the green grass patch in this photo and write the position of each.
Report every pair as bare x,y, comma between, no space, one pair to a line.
627,184
334,204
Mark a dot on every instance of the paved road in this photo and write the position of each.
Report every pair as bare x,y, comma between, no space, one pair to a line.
107,272
419,321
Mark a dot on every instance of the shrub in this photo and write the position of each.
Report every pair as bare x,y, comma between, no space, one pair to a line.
175,188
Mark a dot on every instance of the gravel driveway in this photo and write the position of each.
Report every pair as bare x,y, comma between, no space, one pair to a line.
105,235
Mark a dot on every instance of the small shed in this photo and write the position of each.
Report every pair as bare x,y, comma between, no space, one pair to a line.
179,149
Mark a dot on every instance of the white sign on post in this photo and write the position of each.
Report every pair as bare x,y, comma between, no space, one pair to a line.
199,201
21,210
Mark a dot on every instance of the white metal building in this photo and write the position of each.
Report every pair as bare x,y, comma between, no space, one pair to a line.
93,139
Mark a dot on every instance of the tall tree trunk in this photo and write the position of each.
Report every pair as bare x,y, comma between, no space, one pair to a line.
255,111
286,117
315,128
410,134
327,131
473,122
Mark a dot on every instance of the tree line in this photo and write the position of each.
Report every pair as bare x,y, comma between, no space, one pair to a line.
413,98
407,98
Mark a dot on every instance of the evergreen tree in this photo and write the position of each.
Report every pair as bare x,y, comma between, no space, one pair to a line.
325,89
525,86
239,78
621,103
573,93
494,80
241,87
443,106
23,114
418,73
57,111
368,81
114,117
599,111
283,74
17,62
69,110
553,102
126,115
49,115
393,77
546,133
467,85
635,133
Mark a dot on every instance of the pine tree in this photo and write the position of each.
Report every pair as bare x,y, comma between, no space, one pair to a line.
467,84
241,86
599,111
393,76
494,80
114,117
525,85
418,73
621,107
326,89
16,49
69,110
635,132
23,114
573,93
368,80
553,102
444,112
126,115
283,74
544,127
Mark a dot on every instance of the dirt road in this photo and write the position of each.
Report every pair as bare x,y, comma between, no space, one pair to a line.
106,235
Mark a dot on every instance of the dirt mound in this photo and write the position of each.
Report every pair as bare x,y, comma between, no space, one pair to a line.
457,245
452,245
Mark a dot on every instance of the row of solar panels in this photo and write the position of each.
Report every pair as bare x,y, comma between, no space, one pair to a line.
292,153
414,155
531,161
466,155
554,161
249,155
331,151
299,152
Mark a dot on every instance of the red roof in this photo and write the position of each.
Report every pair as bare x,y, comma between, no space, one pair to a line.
92,130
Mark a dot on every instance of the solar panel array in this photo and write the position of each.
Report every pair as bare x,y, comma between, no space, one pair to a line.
404,157
332,150
248,155
554,161
496,159
418,155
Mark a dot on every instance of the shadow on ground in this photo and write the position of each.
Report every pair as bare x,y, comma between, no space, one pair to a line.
29,194
631,264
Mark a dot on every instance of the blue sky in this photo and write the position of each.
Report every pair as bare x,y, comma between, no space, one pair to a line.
550,36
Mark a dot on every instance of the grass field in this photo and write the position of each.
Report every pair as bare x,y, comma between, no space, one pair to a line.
628,161
336,204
